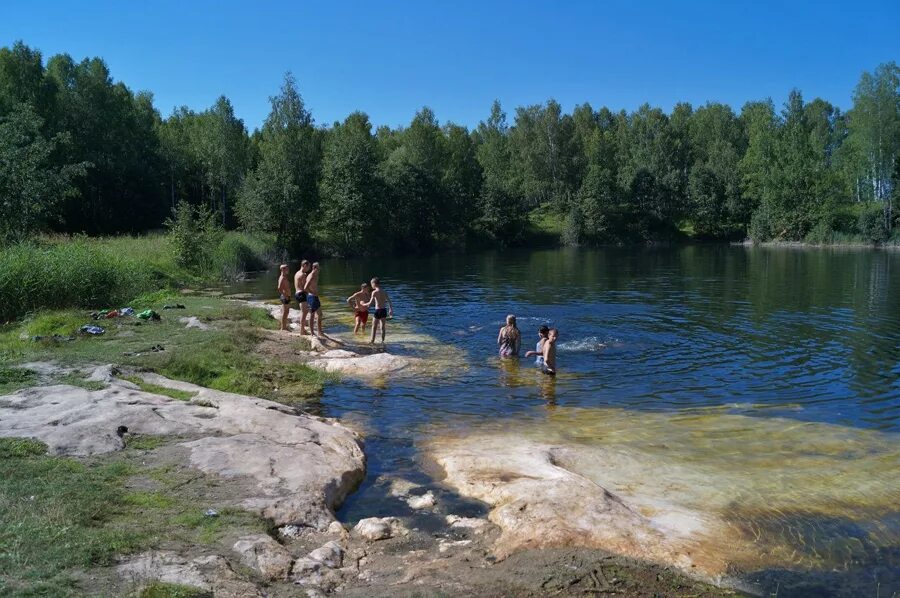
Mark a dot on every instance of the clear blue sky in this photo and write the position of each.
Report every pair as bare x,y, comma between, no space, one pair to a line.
390,58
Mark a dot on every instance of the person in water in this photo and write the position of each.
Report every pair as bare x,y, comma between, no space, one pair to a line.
312,299
284,295
300,293
538,353
380,299
509,338
357,302
550,352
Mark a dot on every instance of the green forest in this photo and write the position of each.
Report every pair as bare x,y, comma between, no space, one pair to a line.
83,153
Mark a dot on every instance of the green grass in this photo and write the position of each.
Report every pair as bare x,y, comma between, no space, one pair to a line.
79,273
60,515
76,380
98,273
222,358
543,221
158,589
227,363
142,442
180,395
53,516
148,500
12,379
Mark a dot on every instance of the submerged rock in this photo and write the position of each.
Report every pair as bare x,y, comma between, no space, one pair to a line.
399,487
265,556
378,528
426,501
472,523
539,505
707,491
258,442
376,364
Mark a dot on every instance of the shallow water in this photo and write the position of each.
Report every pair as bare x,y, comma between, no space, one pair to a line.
773,334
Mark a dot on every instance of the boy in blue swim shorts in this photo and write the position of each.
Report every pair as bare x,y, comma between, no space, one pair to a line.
312,300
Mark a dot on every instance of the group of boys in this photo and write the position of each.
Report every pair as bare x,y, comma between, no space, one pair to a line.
306,292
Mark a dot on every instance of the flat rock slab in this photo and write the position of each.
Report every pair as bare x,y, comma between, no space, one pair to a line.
331,354
300,467
376,364
712,492
209,573
538,504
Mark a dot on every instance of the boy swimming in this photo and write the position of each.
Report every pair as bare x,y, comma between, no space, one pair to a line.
284,295
357,302
380,299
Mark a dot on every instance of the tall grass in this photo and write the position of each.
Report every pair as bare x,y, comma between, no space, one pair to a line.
80,272
74,274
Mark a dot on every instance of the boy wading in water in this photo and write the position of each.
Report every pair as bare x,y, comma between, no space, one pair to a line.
284,295
509,338
540,351
358,301
312,299
550,352
380,299
300,293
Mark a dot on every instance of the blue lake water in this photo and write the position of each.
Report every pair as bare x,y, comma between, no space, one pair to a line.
810,335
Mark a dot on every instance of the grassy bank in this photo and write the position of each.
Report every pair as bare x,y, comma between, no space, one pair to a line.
62,516
222,357
81,272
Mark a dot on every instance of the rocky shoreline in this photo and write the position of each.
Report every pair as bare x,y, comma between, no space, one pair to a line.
294,470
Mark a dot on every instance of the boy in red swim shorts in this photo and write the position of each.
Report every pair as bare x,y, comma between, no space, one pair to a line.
358,301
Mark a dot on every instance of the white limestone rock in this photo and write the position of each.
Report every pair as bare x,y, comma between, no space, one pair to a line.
264,555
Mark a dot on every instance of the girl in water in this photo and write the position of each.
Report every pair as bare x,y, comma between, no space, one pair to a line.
509,338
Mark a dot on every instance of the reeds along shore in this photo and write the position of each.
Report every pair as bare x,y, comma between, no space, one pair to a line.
92,273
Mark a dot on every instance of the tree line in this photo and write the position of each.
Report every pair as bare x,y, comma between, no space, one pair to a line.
81,152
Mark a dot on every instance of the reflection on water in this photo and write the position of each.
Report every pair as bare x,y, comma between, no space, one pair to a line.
779,335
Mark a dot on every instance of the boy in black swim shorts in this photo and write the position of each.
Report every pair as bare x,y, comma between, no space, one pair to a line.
380,299
284,295
300,293
312,299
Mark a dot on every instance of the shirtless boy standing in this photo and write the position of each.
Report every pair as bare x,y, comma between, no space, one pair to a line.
312,299
550,352
380,299
284,295
300,293
357,302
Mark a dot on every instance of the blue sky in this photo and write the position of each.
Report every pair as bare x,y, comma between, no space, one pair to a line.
390,58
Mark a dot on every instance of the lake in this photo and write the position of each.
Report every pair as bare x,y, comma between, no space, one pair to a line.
649,337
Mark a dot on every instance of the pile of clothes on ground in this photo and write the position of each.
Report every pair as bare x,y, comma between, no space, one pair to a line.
108,314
